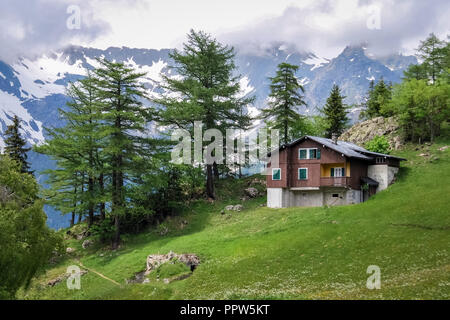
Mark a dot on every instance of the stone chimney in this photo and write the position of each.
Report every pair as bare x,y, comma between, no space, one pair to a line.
334,138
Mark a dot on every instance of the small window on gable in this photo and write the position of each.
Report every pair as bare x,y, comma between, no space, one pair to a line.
380,160
302,173
302,153
276,174
309,153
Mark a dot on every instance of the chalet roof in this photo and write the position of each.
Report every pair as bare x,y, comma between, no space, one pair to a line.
348,149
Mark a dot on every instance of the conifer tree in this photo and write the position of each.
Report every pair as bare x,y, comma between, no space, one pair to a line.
335,113
123,120
285,97
207,91
15,145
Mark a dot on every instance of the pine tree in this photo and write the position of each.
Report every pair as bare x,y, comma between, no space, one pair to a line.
335,113
284,98
207,90
15,145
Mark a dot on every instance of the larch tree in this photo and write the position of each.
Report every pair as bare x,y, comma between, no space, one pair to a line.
206,90
123,122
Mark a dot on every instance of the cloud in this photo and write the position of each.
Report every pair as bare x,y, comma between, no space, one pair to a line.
30,28
326,26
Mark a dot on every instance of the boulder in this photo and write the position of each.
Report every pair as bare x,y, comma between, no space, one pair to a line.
87,243
229,208
252,192
70,250
238,207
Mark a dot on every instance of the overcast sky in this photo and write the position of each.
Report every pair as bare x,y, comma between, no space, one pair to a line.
30,27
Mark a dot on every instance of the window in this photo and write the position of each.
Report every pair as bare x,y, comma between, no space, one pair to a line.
276,174
309,153
302,173
335,195
338,172
302,153
380,160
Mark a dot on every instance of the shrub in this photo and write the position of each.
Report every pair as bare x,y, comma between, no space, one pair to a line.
378,144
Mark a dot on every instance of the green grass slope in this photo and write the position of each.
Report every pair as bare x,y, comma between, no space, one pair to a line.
295,253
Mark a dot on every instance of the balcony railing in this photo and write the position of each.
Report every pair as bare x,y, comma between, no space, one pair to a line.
334,181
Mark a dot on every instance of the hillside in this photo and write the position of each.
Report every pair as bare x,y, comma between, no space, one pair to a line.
295,253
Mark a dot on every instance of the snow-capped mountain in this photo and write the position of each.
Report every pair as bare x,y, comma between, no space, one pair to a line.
35,89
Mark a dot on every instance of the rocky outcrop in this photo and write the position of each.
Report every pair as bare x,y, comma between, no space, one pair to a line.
363,132
155,260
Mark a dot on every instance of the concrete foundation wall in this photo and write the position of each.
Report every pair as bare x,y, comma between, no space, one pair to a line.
284,198
383,174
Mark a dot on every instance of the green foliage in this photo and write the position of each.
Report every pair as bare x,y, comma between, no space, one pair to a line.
15,145
378,144
420,107
335,113
26,243
378,96
284,99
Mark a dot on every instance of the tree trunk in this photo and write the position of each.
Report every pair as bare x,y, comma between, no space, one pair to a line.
102,204
209,182
116,240
72,220
216,171
91,203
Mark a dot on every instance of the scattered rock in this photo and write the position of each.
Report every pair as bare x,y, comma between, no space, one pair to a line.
229,208
334,222
166,281
238,207
262,205
222,212
87,243
70,250
443,148
252,192
423,155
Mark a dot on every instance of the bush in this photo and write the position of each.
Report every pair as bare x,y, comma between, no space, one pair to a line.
378,144
26,243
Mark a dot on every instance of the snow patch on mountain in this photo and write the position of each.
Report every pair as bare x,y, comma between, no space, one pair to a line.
316,61
10,106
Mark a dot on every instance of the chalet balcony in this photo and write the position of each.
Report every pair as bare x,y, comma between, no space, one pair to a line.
334,181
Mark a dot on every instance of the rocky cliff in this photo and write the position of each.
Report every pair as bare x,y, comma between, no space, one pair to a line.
365,131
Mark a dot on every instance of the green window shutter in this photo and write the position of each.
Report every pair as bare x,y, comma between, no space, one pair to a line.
302,173
343,172
318,153
302,153
276,174
332,172
311,153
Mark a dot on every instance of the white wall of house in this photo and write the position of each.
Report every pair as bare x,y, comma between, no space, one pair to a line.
284,198
383,174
